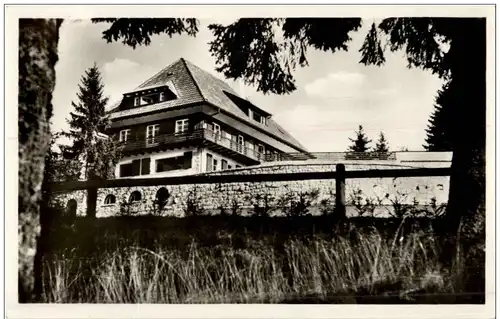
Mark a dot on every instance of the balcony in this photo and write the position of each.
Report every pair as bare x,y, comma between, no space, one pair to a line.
200,137
159,142
226,146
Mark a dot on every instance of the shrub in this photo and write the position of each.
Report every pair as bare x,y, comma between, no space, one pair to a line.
127,208
327,205
193,204
362,205
262,205
434,209
297,205
235,207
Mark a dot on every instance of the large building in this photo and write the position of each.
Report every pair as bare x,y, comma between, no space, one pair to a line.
183,120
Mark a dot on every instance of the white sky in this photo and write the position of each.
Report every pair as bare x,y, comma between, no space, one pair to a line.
335,93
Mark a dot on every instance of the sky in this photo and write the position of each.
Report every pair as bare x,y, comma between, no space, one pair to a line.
335,93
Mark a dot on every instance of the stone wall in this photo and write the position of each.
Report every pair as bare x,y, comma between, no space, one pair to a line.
209,198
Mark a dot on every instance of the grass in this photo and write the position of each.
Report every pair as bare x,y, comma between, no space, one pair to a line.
247,260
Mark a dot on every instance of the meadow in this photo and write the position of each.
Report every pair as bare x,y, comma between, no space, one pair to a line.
235,259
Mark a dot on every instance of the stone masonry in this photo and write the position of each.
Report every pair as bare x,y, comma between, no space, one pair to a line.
384,193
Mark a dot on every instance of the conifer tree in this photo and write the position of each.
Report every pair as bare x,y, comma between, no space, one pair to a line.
439,135
360,143
87,124
382,145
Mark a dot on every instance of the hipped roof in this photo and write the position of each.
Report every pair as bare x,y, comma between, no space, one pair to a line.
195,85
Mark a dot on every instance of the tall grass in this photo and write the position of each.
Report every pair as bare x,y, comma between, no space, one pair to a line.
340,269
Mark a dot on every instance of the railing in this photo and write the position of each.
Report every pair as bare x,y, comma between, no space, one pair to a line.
330,156
195,135
231,144
164,139
217,137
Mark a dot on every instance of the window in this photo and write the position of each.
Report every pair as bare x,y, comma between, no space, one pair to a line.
209,162
174,163
137,101
261,149
181,126
162,96
238,166
217,133
152,132
110,199
256,117
136,196
250,145
215,165
147,100
145,165
124,135
229,167
250,113
126,170
274,155
241,144
135,168
262,120
224,164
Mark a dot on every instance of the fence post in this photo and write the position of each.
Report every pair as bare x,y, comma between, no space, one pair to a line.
91,202
340,191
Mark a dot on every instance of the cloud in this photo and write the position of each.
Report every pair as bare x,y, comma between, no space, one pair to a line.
121,75
336,84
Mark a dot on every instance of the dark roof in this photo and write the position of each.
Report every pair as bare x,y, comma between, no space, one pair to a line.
196,85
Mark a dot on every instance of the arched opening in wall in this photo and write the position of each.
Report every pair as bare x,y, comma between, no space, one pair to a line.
71,207
136,196
162,195
110,199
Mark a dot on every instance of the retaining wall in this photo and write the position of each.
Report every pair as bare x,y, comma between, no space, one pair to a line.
210,198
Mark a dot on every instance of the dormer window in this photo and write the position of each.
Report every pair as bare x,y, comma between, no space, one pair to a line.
149,96
257,117
147,100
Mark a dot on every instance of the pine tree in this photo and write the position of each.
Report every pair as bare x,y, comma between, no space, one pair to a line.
360,143
439,135
87,124
382,145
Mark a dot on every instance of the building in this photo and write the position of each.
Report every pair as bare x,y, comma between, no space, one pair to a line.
184,120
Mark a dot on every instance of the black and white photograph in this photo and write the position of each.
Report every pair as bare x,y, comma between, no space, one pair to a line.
276,155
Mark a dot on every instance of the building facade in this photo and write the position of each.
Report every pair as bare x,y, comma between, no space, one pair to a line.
183,120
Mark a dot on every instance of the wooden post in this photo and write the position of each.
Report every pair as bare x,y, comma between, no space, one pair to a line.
340,191
91,202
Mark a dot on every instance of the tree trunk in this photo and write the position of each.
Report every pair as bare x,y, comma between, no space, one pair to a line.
38,39
467,58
